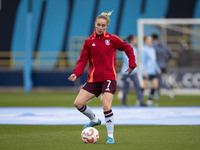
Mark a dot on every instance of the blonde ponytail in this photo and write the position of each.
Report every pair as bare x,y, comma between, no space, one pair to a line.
105,16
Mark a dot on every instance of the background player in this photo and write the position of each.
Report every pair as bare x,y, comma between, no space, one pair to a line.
150,68
132,40
163,54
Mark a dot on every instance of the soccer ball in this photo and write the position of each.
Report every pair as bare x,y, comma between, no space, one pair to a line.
90,135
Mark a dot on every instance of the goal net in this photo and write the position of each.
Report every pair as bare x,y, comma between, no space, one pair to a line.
182,36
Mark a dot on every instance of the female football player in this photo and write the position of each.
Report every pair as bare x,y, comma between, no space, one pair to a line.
150,68
100,50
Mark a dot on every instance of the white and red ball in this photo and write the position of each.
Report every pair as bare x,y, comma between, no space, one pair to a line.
90,135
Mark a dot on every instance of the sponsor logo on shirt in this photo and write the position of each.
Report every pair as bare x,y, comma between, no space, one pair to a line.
93,44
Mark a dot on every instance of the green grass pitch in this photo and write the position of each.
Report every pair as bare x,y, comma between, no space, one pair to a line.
41,137
61,99
64,137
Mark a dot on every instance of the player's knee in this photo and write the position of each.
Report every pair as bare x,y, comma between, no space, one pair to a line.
144,86
155,86
78,104
106,107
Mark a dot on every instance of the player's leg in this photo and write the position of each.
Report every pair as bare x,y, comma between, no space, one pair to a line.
145,83
160,83
154,82
108,89
165,86
109,117
80,103
125,88
136,82
82,98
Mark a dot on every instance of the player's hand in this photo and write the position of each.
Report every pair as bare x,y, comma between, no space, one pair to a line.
129,70
159,72
145,75
72,77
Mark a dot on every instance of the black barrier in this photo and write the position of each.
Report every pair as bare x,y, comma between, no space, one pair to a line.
40,79
54,78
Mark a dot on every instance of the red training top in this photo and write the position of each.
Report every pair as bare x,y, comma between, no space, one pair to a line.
100,50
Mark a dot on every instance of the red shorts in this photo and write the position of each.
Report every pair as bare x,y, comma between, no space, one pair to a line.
97,88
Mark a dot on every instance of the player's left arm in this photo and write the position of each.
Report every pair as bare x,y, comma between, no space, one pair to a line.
168,51
123,46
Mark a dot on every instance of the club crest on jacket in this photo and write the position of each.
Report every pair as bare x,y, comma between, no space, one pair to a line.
107,42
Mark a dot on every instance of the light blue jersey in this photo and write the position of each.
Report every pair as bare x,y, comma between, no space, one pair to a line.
148,61
125,59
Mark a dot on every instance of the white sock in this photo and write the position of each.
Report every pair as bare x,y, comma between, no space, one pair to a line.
88,112
109,119
95,119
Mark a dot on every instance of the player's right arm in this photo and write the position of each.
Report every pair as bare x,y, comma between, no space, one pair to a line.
169,52
84,57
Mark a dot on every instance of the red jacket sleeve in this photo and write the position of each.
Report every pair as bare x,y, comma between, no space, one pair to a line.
84,57
123,46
